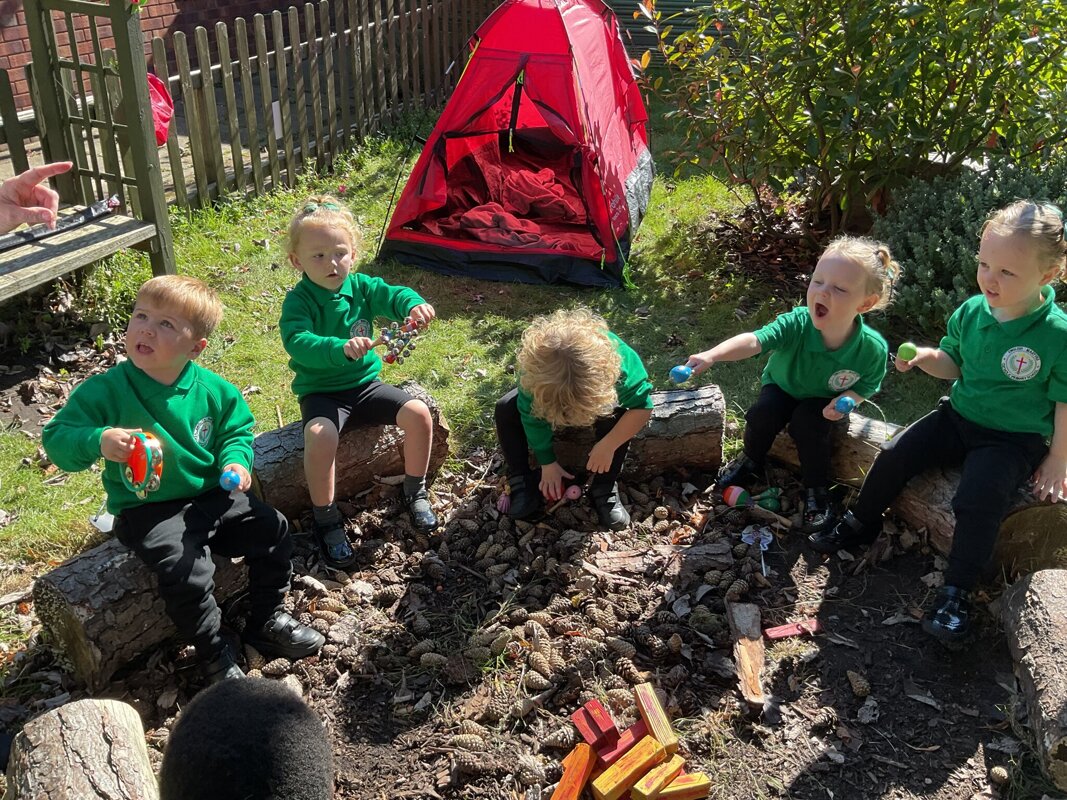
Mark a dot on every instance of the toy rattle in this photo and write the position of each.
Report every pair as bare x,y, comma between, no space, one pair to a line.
144,467
230,480
681,373
907,351
844,405
399,339
736,496
572,492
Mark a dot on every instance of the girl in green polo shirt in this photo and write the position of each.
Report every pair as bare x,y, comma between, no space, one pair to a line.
1006,351
327,329
820,353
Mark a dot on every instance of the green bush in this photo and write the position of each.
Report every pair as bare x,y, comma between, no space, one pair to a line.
841,101
933,229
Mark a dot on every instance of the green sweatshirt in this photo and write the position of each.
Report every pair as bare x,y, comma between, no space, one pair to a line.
633,389
202,422
317,322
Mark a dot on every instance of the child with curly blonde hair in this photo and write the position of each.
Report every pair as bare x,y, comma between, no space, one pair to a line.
820,353
573,372
327,328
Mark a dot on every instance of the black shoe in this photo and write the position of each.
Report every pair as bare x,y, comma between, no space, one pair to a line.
818,513
422,516
949,618
283,636
849,532
609,509
333,543
739,472
526,499
221,668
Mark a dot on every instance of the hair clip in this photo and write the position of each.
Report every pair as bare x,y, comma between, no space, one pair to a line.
311,208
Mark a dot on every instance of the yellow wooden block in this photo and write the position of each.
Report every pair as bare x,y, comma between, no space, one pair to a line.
657,778
659,726
691,786
617,779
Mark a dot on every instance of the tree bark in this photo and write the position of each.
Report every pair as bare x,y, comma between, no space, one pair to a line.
686,430
1031,536
362,454
86,750
102,608
1034,613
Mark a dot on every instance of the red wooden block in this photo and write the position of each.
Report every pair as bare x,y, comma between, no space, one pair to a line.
595,724
609,754
811,626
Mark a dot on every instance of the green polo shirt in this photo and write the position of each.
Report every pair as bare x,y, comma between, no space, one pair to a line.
202,422
633,390
803,366
1013,373
316,323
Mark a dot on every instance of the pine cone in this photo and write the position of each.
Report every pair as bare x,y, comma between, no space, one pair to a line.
535,682
483,548
468,741
253,658
621,647
304,618
740,550
388,595
626,670
535,631
661,527
675,643
559,605
433,660
421,626
276,668
320,625
509,555
554,658
470,726
713,577
351,656
485,636
518,615
619,699
602,619
737,589
329,650
443,551
478,655
467,762
825,718
422,647
677,675
657,648
500,642
254,673
498,708
329,603
661,512
541,665
564,738
528,770
861,687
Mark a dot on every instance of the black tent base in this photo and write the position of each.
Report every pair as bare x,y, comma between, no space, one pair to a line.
516,266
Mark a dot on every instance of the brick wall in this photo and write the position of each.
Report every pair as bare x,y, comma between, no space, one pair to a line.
158,18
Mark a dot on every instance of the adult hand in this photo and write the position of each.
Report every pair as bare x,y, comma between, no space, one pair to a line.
423,314
116,444
23,198
246,479
552,476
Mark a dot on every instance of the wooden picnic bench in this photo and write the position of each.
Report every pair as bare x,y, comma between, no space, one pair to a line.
91,107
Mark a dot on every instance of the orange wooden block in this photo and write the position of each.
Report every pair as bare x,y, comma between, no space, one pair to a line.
576,768
657,778
655,717
620,777
631,736
690,786
595,725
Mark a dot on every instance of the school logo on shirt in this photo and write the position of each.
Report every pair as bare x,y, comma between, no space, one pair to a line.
202,431
1020,363
843,379
360,328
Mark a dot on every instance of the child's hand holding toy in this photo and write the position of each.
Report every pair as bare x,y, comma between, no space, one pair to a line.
117,444
357,347
552,476
423,314
234,476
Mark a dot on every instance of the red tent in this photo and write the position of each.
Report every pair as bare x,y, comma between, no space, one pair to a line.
538,169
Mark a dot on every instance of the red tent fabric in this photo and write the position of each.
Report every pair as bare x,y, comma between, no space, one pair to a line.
538,169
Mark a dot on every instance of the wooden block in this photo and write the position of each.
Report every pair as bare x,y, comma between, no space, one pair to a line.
620,777
655,717
657,778
691,786
631,736
576,769
811,626
588,727
602,722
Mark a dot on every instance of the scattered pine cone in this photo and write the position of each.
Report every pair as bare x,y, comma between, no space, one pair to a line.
470,726
737,589
422,647
528,770
421,626
535,682
433,660
861,687
468,741
675,643
626,670
825,719
518,615
619,699
478,655
253,658
498,707
499,643
541,665
564,738
276,668
621,647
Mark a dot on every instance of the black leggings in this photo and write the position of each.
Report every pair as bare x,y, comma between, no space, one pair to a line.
773,410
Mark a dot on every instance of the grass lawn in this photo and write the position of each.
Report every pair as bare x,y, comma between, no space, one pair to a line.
683,301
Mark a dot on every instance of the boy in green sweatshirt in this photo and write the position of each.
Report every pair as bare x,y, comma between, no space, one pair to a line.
205,429
327,329
573,372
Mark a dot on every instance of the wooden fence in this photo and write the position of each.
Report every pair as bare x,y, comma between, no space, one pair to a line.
289,92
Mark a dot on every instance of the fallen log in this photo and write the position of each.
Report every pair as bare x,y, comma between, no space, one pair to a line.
1033,536
85,750
686,430
362,454
1034,613
102,608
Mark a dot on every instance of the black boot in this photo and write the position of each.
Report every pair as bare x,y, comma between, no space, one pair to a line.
609,509
849,532
422,516
333,544
949,618
220,668
281,635
818,512
526,499
742,471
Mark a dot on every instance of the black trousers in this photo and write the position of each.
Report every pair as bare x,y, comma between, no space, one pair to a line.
773,410
516,448
994,465
176,539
